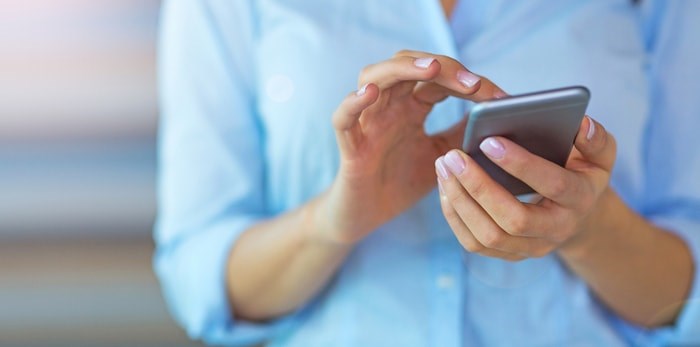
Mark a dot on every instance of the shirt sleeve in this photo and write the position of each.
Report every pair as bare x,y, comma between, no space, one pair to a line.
211,171
672,198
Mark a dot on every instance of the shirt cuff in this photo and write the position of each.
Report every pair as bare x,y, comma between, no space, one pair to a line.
686,330
192,272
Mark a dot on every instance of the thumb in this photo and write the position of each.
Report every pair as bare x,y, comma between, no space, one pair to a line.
346,117
595,144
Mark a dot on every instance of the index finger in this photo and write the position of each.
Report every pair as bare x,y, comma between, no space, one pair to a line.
515,218
454,79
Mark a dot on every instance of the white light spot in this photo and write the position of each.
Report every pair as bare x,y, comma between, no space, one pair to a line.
445,282
279,88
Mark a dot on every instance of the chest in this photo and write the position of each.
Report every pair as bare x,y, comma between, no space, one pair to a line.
310,52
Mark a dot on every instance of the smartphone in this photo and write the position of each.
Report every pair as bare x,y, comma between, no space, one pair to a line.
545,123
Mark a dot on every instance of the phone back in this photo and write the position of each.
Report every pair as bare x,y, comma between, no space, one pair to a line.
545,123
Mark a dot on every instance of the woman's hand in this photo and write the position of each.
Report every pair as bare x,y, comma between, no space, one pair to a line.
385,154
489,220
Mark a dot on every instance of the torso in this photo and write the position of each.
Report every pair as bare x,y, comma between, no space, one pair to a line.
410,283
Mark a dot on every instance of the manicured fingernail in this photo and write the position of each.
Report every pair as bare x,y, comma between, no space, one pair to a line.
591,129
440,189
499,94
467,78
454,162
441,169
423,63
362,90
493,148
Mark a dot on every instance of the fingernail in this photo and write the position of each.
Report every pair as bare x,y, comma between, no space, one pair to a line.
493,148
591,129
499,94
454,162
362,90
467,78
423,63
441,169
440,189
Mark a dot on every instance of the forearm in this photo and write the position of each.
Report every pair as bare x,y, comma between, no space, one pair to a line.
277,265
640,271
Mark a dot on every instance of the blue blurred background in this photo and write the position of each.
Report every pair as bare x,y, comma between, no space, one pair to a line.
78,115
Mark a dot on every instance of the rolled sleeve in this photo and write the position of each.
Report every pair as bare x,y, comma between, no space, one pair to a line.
686,331
192,273
211,167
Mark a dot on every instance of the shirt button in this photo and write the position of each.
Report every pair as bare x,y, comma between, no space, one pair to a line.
445,281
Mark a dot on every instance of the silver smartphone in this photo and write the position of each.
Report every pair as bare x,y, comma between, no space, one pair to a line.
545,123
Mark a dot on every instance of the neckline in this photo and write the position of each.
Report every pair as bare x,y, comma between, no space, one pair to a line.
449,15
442,30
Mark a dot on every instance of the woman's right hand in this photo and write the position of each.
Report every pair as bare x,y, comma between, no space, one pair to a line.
386,165
386,158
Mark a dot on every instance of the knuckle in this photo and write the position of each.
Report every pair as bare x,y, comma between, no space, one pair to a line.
446,58
403,62
558,187
493,239
457,199
516,224
473,246
450,213
402,52
477,187
365,73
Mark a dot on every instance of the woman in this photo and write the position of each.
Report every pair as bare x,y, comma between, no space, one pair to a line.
296,213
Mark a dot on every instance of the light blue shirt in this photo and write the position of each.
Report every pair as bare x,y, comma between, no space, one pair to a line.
247,92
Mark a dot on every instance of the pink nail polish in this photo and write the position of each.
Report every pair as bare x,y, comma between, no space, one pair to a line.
362,90
441,169
454,162
493,148
499,95
423,63
591,129
467,78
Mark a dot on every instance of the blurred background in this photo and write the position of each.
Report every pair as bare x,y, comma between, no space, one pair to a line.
78,115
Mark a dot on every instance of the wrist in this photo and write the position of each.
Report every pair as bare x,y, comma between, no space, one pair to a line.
597,227
323,226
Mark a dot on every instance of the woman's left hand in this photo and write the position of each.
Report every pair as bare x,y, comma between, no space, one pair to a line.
489,220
